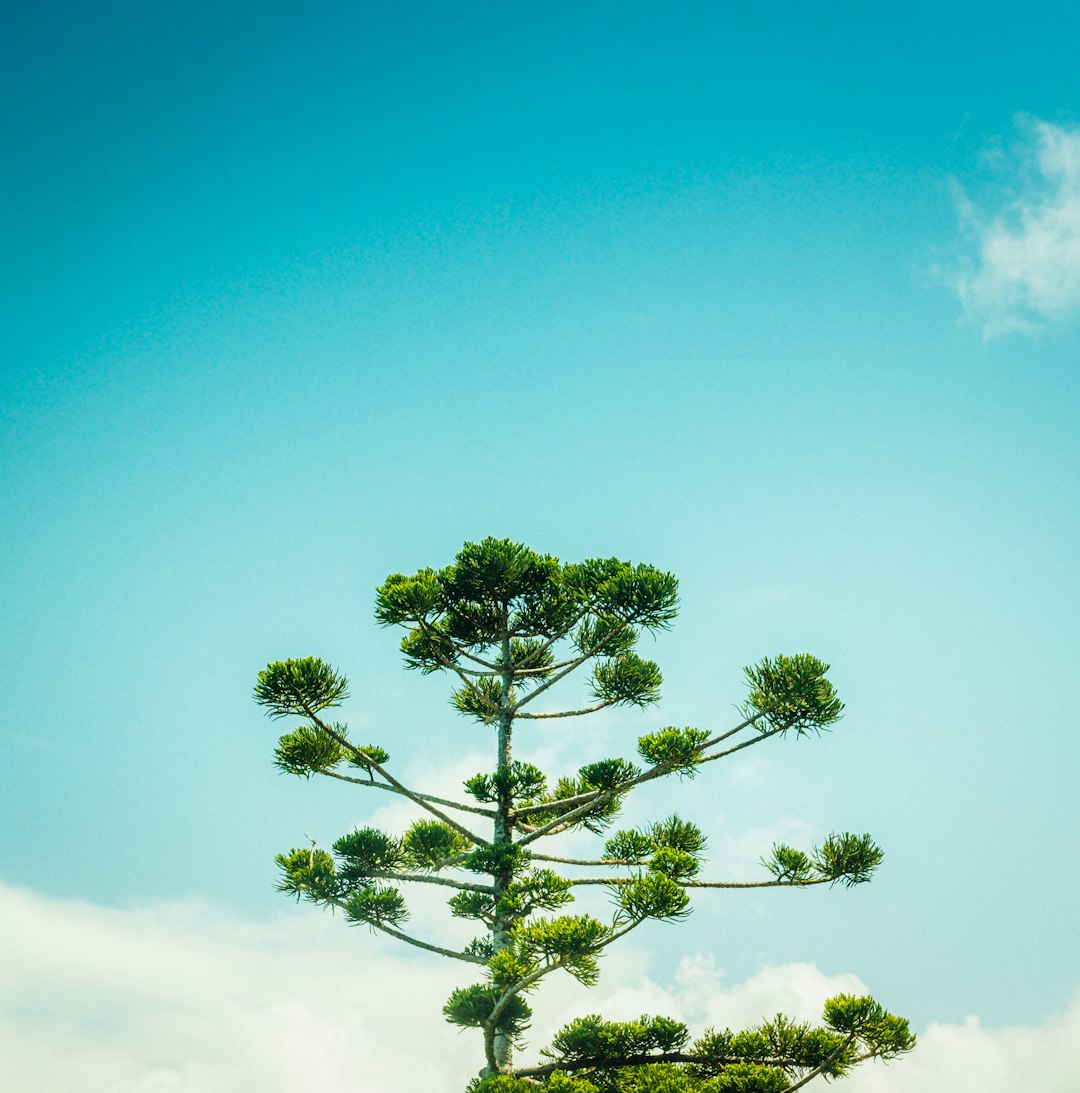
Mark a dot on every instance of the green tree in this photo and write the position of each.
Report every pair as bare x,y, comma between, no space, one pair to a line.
508,625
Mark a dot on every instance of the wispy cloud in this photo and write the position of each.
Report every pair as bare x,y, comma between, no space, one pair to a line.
1022,269
189,998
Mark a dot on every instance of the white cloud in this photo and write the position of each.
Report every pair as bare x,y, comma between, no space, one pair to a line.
1025,269
188,998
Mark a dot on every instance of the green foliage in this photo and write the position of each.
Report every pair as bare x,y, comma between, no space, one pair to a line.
557,1083
600,812
428,649
428,843
306,751
483,948
653,895
367,851
878,1030
627,680
479,699
518,782
531,657
844,858
847,858
372,753
792,692
628,846
678,750
569,941
677,834
302,687
377,905
508,968
498,585
473,1007
309,873
498,860
609,637
676,864
592,1041
607,774
478,905
407,599
538,890
749,1078
788,865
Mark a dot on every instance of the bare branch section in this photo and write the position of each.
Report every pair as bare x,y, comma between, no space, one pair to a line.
575,881
416,798
467,958
427,878
431,798
568,713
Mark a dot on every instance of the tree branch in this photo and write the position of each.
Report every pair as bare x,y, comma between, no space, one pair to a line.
645,1059
823,1065
425,625
460,673
571,713
466,957
706,883
571,665
747,743
657,771
403,790
586,861
425,878
596,650
423,796
581,798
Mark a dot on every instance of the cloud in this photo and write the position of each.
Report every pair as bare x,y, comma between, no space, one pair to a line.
187,998
191,998
1024,269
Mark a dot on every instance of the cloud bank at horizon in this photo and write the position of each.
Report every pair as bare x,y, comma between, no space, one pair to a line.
191,998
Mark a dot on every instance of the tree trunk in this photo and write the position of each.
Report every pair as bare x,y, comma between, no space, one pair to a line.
501,934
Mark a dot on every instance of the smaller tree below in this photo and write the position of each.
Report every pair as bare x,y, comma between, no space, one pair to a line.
508,625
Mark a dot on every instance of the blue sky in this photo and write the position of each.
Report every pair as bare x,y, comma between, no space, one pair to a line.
784,301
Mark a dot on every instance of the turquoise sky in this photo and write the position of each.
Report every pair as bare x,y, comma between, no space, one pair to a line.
782,299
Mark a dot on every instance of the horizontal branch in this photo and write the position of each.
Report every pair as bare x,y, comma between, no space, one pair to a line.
646,1059
445,802
706,883
569,713
427,878
587,861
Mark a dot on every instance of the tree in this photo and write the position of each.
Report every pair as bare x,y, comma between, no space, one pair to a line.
509,625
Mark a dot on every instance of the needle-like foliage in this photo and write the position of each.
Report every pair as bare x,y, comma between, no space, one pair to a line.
508,625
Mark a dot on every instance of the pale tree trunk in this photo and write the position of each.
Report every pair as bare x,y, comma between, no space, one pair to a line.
501,934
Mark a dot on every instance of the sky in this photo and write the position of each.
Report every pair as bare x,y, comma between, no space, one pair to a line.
785,301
